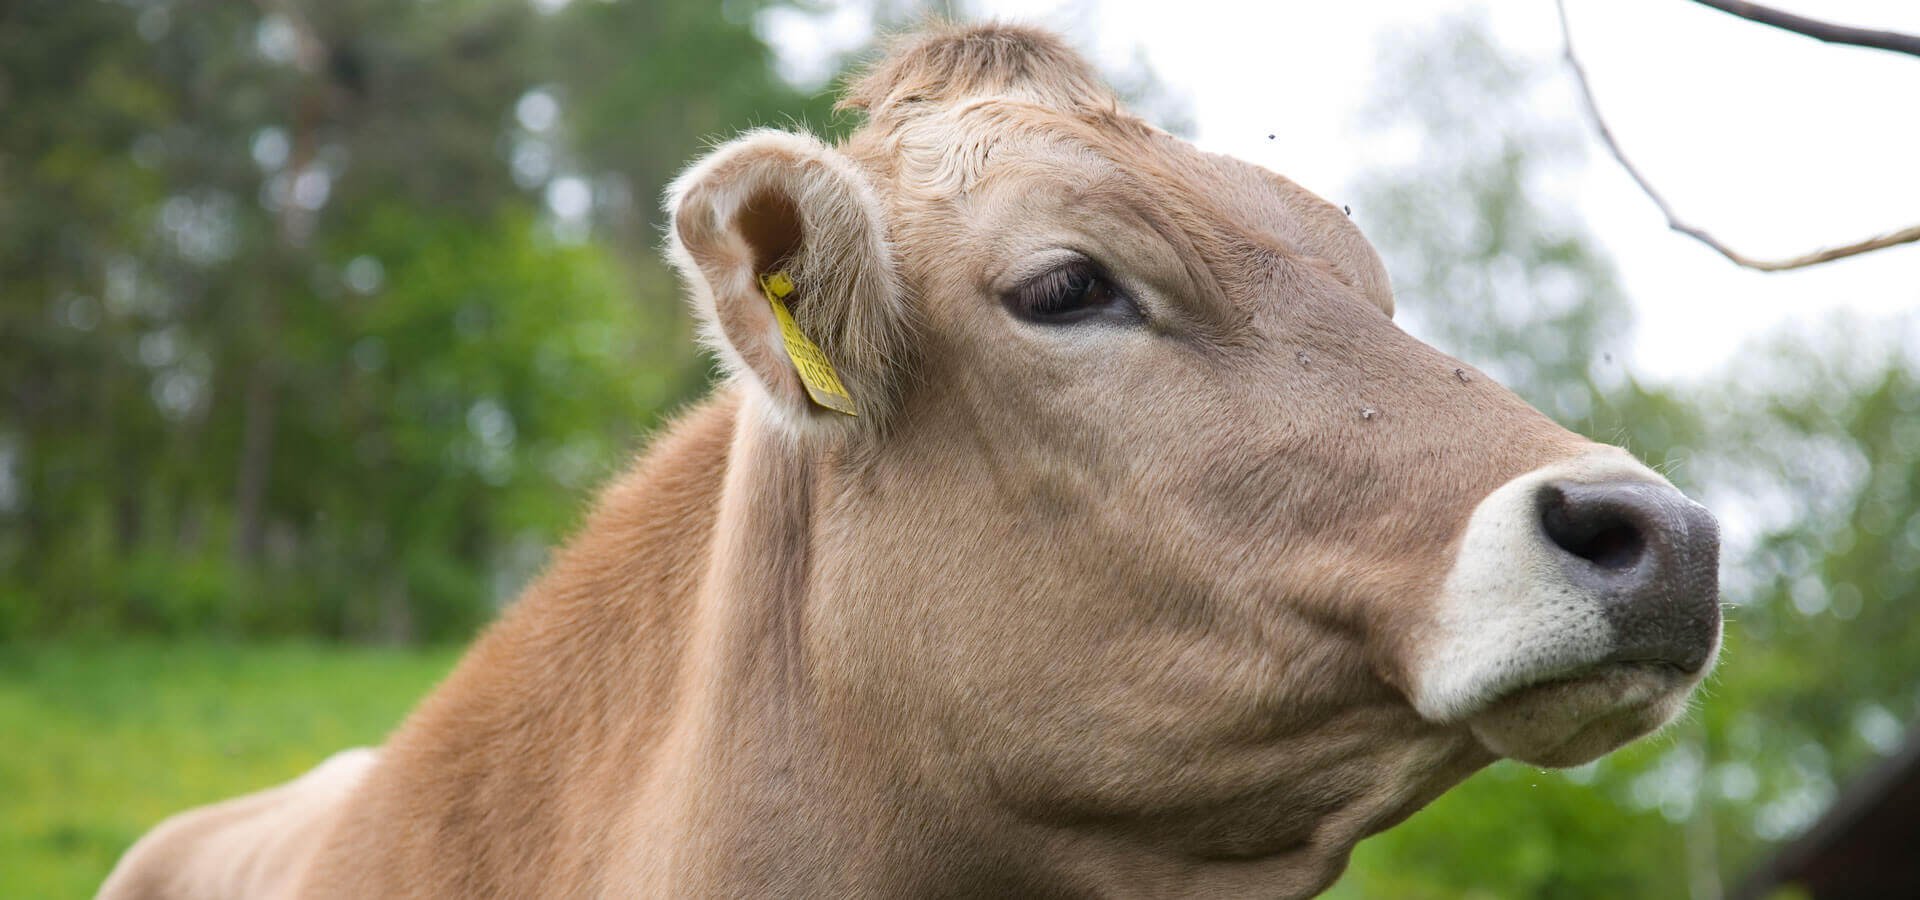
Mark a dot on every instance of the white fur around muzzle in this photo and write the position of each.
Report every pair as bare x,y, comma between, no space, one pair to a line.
1509,616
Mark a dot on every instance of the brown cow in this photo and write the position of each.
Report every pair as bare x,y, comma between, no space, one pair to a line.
1156,560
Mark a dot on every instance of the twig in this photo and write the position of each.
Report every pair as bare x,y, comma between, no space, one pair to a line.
1893,41
1878,242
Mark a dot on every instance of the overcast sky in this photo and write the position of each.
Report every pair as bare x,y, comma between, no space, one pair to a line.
1776,143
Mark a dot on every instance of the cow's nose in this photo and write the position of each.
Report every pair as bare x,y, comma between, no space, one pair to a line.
1652,559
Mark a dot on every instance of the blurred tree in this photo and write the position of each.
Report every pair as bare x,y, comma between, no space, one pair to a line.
1810,452
647,85
308,324
1816,447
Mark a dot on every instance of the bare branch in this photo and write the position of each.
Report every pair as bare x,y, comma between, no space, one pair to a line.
1892,41
1878,242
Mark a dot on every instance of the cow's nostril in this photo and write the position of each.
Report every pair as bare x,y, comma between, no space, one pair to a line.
1601,534
1648,556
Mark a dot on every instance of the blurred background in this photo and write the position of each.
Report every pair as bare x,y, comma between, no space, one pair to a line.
320,322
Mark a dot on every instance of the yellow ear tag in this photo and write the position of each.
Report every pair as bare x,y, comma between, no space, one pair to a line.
823,383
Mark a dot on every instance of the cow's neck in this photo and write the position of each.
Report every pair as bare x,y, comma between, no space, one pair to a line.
753,598
764,786
751,793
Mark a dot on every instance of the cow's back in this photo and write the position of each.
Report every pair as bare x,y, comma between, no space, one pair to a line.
508,780
256,846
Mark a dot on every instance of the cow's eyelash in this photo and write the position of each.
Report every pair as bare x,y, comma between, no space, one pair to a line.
1075,291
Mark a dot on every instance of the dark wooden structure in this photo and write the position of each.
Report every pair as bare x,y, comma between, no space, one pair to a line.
1866,846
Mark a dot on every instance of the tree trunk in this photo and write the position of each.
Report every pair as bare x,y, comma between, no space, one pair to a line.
256,464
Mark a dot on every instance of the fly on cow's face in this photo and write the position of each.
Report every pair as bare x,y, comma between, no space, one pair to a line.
1073,292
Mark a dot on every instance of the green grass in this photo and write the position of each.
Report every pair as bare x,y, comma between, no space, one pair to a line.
100,742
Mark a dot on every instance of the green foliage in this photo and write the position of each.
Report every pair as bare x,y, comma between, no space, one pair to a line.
1515,831
106,740
295,338
650,84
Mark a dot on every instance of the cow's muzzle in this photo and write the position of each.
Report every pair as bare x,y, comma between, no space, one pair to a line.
1582,608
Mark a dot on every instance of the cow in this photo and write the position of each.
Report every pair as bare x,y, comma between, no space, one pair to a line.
1072,519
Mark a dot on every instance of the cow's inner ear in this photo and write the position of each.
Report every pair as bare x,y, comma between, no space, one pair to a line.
781,242
771,225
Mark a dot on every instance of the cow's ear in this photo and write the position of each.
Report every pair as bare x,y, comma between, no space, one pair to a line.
782,242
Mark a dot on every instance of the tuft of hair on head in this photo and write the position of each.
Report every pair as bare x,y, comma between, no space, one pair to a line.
945,63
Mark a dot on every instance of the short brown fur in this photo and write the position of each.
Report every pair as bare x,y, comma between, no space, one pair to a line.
1095,612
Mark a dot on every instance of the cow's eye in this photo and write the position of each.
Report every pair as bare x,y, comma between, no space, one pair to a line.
1074,292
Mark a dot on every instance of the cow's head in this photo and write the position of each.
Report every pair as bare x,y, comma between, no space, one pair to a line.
1151,521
